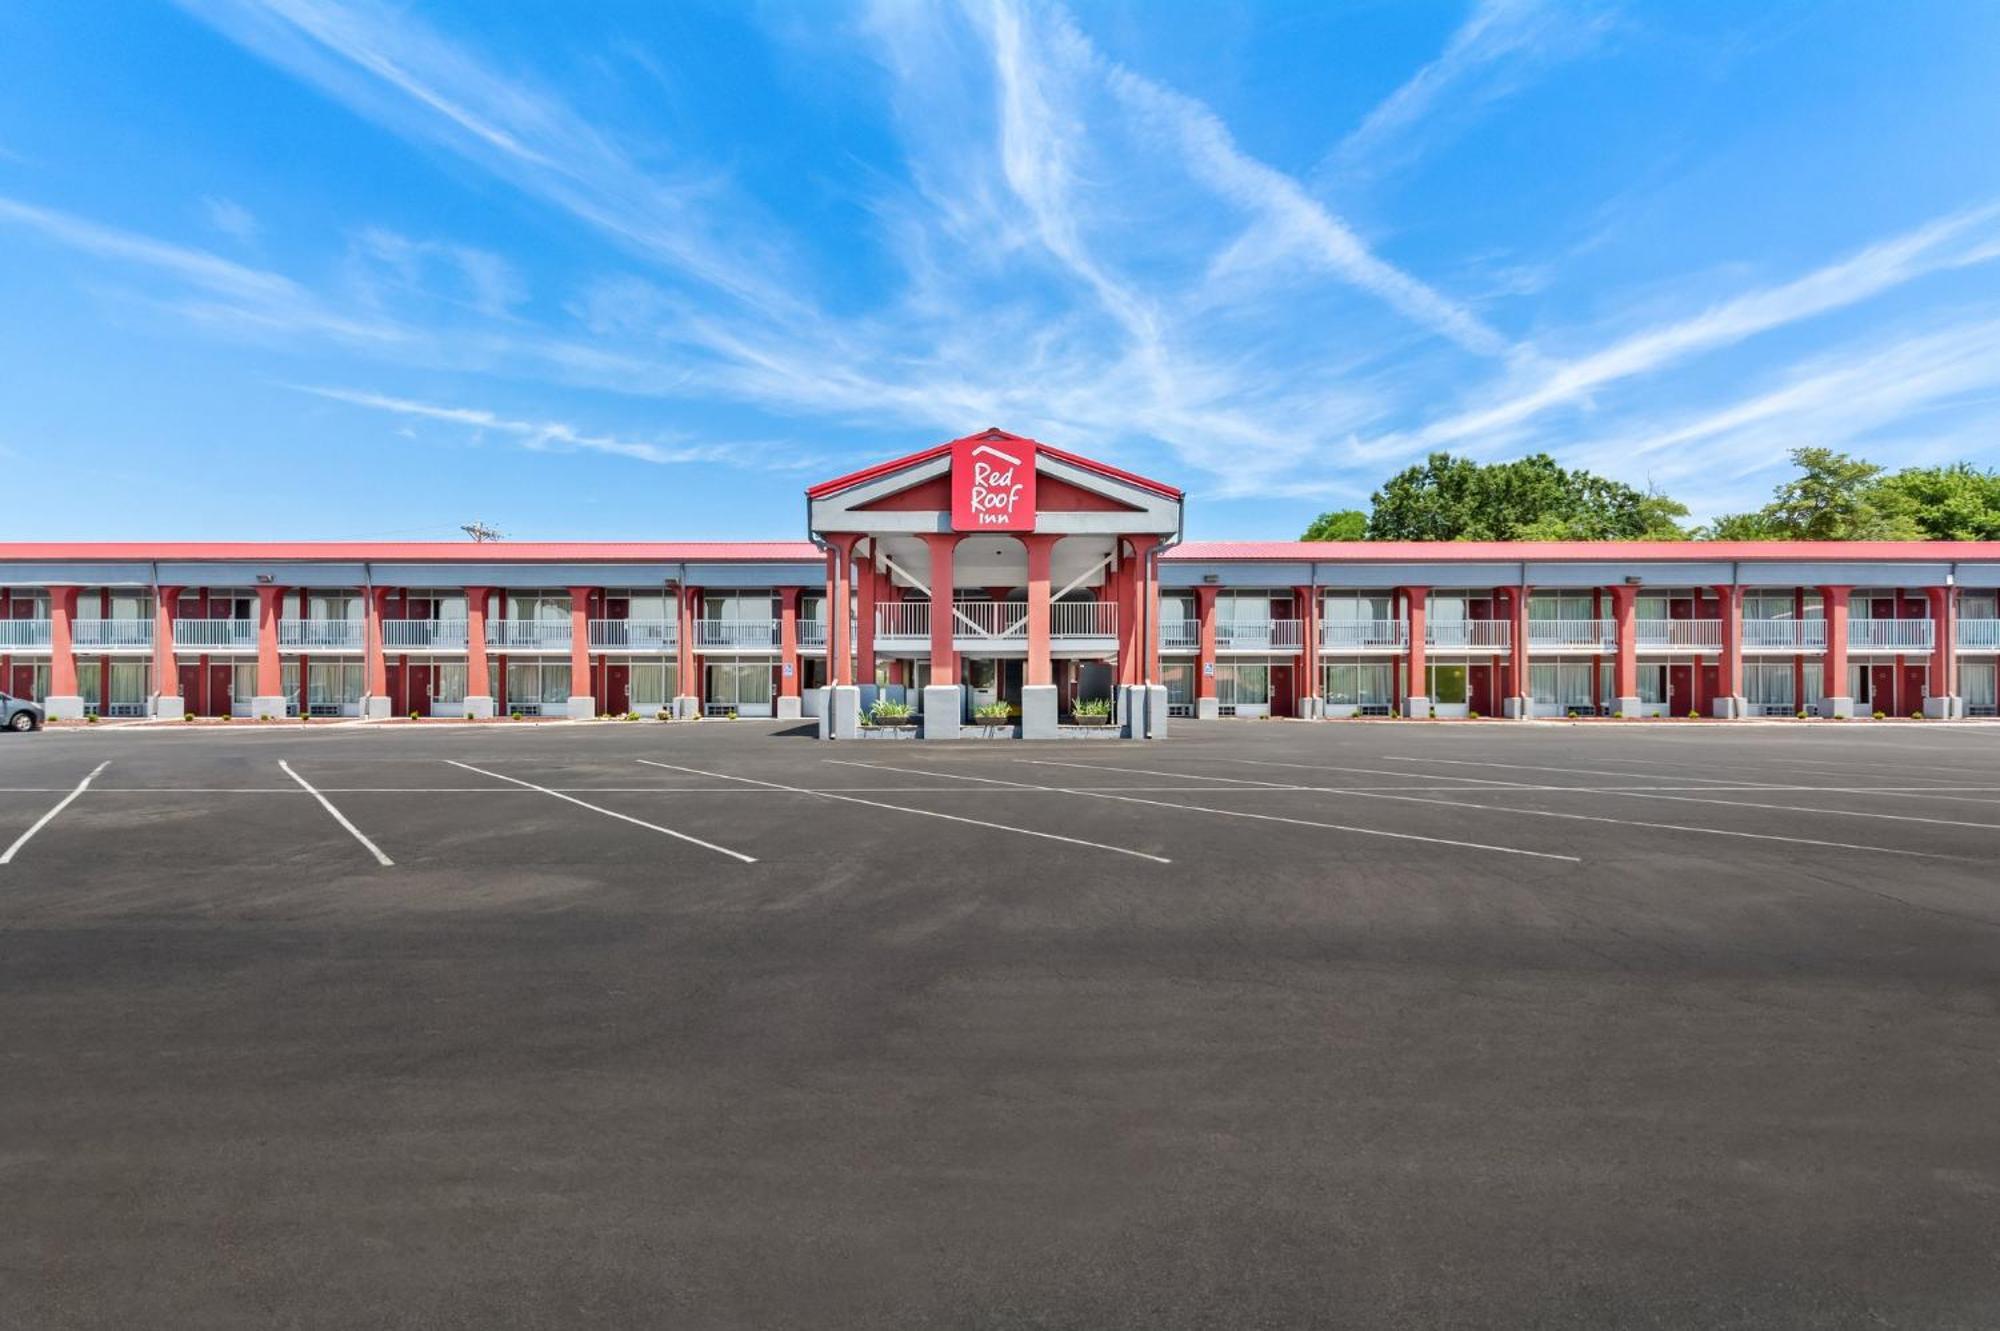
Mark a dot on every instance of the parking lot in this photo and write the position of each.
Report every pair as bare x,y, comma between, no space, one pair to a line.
1265,1024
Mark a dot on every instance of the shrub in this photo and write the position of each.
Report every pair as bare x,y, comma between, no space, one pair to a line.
993,713
228,716
732,714
631,716
1802,713
1881,716
1694,716
885,711
1572,713
1471,715
413,716
663,715
90,718
1917,715
1092,707
187,716
470,717
513,716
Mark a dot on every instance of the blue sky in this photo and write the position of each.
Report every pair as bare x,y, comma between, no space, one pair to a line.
312,269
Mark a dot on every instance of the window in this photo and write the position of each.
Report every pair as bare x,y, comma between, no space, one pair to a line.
1242,685
651,685
1348,607
1567,606
347,606
1767,686
545,607
739,683
332,685
1358,683
1976,683
1448,685
758,605
1562,685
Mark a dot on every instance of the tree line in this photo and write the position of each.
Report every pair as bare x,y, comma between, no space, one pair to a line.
1834,497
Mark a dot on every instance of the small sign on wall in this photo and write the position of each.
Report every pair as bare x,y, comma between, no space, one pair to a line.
1208,668
993,484
788,670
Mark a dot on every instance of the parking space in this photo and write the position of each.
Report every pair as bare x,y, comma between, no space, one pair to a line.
716,1010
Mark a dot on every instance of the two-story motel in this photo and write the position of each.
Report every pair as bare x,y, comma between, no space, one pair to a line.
995,568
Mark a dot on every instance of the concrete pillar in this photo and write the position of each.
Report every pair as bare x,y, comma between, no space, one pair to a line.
1521,698
375,700
1943,702
1418,704
790,705
167,701
1206,705
867,585
478,693
1833,680
942,700
1307,600
1625,670
687,702
1730,703
582,700
62,702
269,699
1040,706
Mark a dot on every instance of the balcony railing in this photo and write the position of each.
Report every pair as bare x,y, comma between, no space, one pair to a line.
635,635
18,633
1706,633
216,634
1255,633
1593,634
327,635
402,635
903,619
1364,633
1083,619
1799,635
1475,634
1900,635
1979,634
528,635
812,633
1180,635
751,633
102,633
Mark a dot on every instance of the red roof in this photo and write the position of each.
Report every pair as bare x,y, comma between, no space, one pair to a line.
1468,552
839,483
481,552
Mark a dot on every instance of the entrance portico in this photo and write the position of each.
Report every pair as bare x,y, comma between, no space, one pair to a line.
994,570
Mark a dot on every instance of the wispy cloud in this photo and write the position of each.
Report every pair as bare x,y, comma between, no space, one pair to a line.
1495,52
231,218
537,435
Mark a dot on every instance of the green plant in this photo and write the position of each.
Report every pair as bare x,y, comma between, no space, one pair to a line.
1092,707
1879,716
90,718
993,713
1694,716
631,716
470,717
1471,715
228,716
1802,713
1572,713
1917,716
886,711
732,714
663,715
187,716
513,716
413,716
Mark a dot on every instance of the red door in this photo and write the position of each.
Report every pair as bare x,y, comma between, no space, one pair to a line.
417,679
1711,684
1680,690
1479,689
23,683
617,689
221,680
191,688
1882,689
1915,678
1283,701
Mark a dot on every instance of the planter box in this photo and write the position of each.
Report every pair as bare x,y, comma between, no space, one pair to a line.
1088,721
906,731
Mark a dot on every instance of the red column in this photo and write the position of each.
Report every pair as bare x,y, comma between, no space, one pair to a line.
579,643
375,660
1944,642
1204,609
1308,609
1418,685
166,671
684,633
1729,661
1517,648
1833,682
839,611
62,642
1040,668
1624,611
1125,585
943,546
475,643
270,609
788,642
865,583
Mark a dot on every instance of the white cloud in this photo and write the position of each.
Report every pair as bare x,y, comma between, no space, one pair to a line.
231,218
538,435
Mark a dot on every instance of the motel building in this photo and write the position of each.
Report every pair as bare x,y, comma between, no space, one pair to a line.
991,569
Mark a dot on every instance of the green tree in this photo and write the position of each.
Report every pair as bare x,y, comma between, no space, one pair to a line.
1833,498
1954,503
1532,498
1346,524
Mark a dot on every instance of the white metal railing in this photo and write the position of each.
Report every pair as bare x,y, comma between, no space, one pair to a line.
1784,634
528,634
1679,633
23,633
761,633
1494,634
1599,634
635,635
1979,634
212,634
812,633
1259,633
1364,633
326,634
111,632
903,619
1915,635
1003,620
1083,619
1180,635
404,634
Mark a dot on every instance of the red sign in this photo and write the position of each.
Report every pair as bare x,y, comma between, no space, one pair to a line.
993,484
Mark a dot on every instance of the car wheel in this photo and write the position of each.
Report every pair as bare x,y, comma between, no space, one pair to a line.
21,721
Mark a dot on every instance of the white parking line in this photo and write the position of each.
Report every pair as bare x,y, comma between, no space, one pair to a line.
1531,767
923,813
610,813
1236,813
8,856
339,817
1579,817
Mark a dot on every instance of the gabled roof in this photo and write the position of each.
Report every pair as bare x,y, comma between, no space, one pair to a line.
839,483
456,552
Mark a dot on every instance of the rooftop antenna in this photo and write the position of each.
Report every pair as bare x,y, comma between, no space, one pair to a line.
479,531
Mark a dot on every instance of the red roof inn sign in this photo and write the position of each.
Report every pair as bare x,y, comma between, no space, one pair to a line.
993,484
